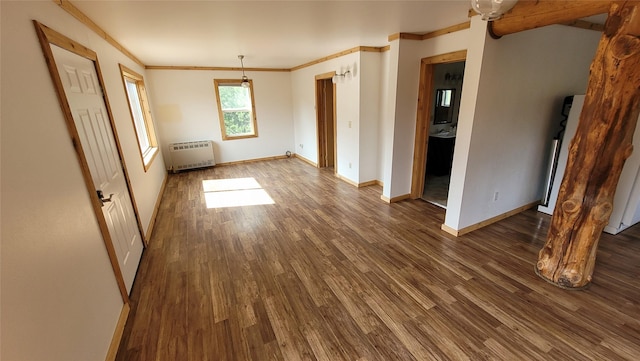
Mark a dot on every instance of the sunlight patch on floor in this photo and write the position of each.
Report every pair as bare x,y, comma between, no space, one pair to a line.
235,192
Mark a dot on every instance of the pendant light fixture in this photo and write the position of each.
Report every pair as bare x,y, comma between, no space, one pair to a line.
492,9
245,81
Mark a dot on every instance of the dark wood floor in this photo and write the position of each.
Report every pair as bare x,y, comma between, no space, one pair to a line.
330,272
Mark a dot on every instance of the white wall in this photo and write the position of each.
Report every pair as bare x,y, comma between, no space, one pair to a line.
370,110
477,37
60,300
626,201
385,126
348,96
146,185
632,216
349,121
387,121
185,108
403,80
358,109
523,79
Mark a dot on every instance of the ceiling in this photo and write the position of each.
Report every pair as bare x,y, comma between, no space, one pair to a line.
271,34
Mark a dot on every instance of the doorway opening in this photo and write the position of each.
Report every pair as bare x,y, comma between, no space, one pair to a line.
436,126
326,120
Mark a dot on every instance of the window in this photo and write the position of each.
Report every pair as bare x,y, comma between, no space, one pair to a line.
236,109
141,115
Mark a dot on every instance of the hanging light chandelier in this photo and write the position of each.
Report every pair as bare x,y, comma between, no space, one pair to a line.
245,81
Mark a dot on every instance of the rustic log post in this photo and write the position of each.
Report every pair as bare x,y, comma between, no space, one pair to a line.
602,143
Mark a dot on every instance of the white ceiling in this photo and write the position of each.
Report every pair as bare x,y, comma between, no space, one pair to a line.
271,34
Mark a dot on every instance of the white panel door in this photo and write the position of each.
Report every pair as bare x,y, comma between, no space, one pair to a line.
83,93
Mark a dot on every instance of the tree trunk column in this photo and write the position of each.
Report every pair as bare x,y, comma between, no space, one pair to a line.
597,153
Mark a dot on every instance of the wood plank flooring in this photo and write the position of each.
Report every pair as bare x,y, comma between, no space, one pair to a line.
330,272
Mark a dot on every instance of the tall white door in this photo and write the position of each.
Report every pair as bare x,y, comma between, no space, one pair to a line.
83,93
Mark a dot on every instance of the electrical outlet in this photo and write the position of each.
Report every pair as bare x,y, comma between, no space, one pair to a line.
301,145
349,164
495,196
349,127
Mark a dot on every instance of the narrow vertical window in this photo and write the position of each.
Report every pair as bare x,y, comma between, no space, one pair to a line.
236,109
140,114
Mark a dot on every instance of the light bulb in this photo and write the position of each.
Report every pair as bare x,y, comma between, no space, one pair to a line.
245,82
491,9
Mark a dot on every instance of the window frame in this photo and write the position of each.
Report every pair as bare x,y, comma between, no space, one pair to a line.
146,155
223,129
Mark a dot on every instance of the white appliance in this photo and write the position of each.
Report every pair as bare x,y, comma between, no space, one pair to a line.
626,202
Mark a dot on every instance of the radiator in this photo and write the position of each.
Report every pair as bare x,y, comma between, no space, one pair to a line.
188,155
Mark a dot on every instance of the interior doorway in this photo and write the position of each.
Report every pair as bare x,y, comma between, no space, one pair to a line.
326,120
445,102
436,126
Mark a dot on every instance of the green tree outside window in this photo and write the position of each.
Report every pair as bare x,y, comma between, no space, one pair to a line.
236,109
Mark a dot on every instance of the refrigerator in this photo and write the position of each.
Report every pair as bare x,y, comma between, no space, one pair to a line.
626,202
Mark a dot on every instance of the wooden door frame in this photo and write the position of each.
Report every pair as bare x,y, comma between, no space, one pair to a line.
425,93
320,138
49,37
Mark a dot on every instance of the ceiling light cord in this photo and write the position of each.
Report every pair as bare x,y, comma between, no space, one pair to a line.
245,80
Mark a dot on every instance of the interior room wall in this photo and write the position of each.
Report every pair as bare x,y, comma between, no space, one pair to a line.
370,110
60,300
146,185
403,79
347,113
384,121
185,108
523,79
387,119
348,122
632,216
477,36
626,201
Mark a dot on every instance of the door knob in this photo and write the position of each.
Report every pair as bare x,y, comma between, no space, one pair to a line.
102,199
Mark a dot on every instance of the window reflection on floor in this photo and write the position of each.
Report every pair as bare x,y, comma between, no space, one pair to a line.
235,192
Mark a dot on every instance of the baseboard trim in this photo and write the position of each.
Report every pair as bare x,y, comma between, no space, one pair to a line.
306,160
156,207
489,221
449,230
118,332
355,184
276,157
343,178
367,184
395,199
347,180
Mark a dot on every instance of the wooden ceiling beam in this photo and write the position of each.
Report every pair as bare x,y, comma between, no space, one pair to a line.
528,14
585,25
